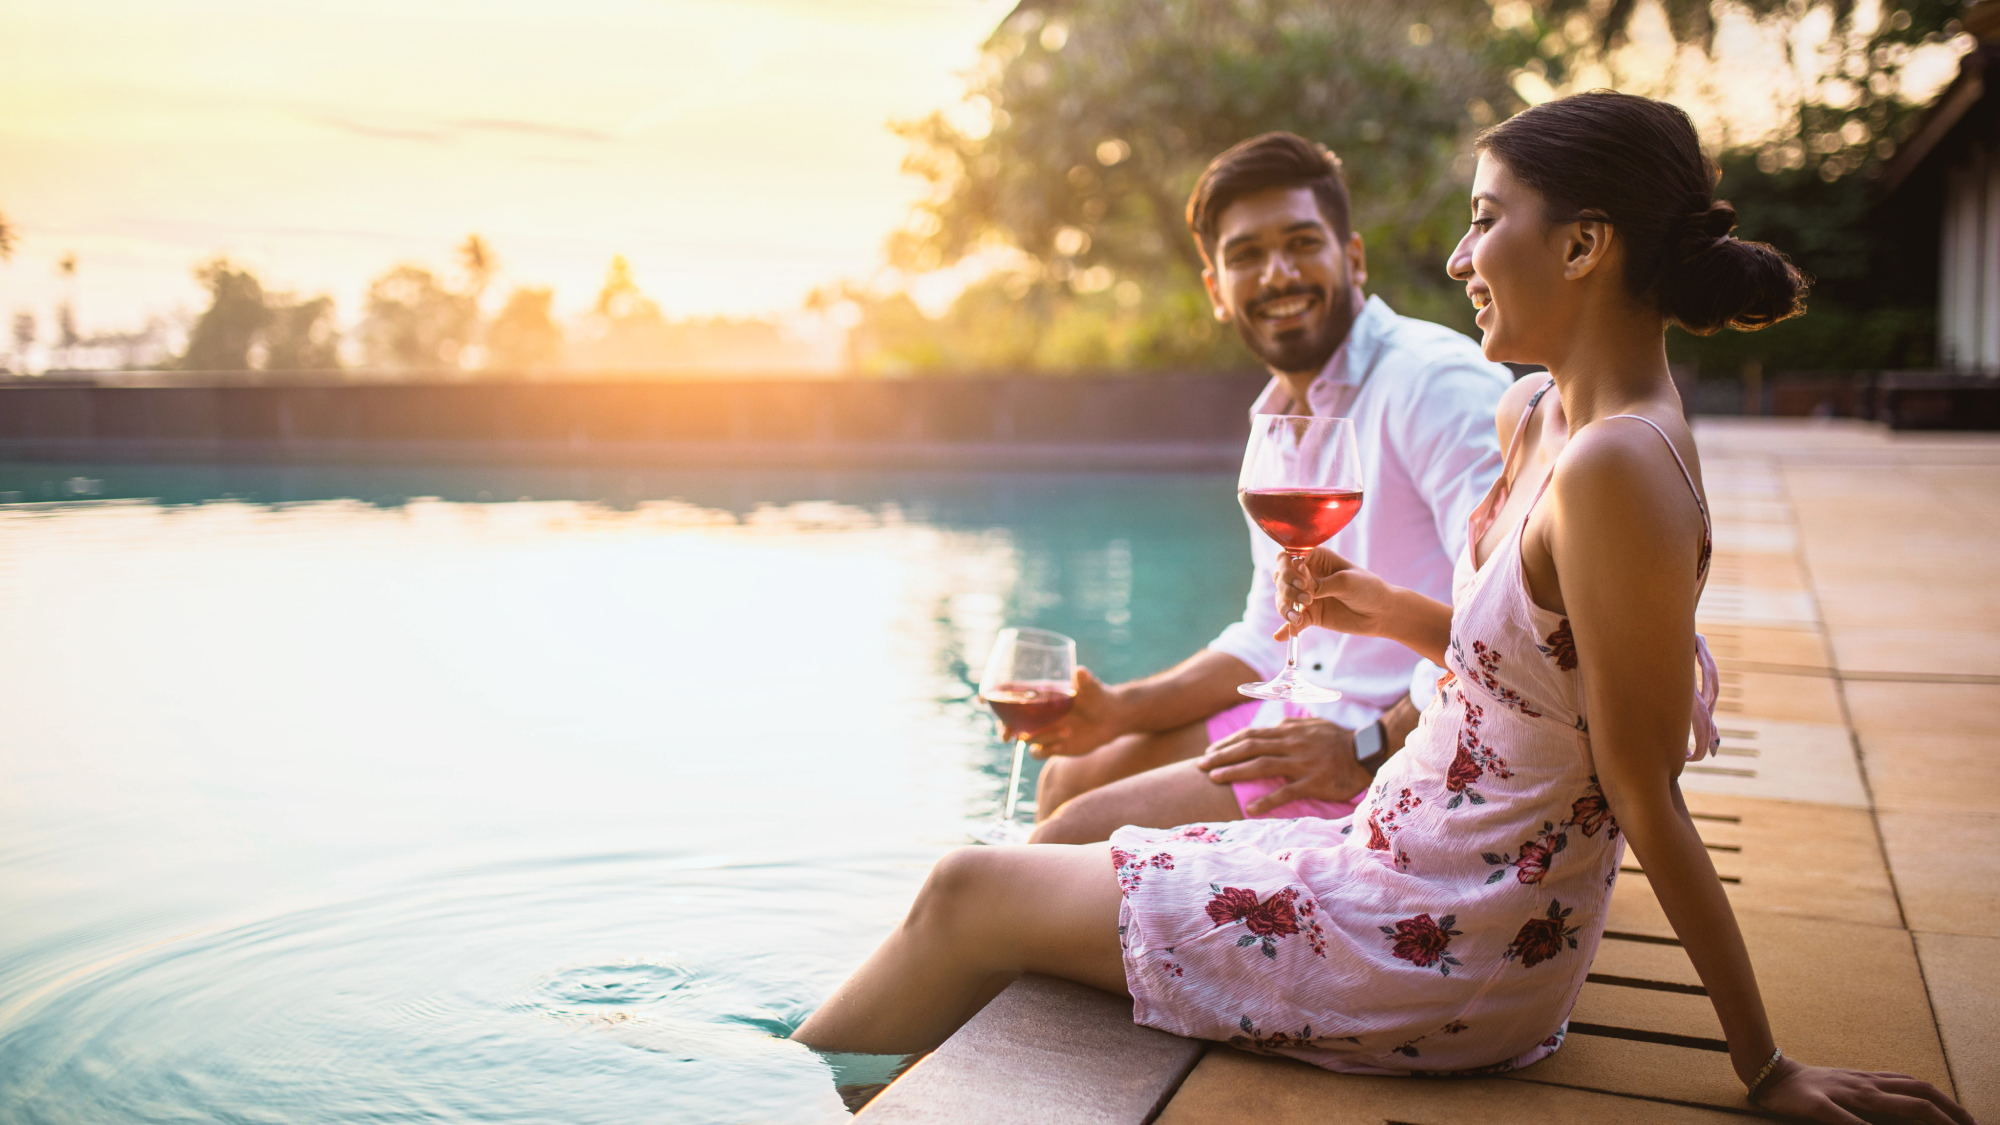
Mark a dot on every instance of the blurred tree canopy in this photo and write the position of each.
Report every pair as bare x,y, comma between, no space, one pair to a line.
247,326
1067,170
525,338
6,239
413,321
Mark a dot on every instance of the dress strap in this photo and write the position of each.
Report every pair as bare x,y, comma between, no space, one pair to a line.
1706,736
1480,519
1707,529
1507,467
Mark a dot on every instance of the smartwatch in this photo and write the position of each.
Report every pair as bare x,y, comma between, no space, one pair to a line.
1371,746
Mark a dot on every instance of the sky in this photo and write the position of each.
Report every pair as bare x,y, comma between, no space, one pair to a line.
737,152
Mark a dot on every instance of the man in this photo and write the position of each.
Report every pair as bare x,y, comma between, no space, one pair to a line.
1284,265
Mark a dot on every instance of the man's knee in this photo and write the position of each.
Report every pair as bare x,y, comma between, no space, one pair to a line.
1080,820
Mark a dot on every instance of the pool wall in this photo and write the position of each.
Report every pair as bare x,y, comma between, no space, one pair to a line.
1167,421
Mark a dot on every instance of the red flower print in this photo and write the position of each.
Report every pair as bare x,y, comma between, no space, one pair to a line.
1463,772
1274,916
1561,647
1591,812
1267,921
1538,853
1423,942
1542,938
1376,840
1198,832
1231,904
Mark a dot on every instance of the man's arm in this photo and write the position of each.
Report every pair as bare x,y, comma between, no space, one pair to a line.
1316,758
1194,689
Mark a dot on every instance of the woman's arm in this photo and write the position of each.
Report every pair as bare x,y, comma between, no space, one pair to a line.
1347,599
1623,533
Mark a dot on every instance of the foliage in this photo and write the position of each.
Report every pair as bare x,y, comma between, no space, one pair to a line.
301,335
414,322
6,240
1086,124
222,338
243,319
524,337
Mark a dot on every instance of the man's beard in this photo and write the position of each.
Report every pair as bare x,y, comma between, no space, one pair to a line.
1305,350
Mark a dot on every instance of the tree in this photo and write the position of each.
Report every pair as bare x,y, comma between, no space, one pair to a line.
413,322
525,336
629,333
24,338
222,338
6,240
1090,122
301,335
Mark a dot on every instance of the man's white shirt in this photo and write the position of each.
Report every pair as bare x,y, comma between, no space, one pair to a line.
1422,398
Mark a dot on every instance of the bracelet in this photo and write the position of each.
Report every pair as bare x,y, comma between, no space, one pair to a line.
1764,1075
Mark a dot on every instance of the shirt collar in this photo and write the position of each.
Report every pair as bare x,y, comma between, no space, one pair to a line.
1332,390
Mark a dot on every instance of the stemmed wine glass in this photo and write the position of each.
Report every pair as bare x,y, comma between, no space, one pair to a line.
1029,683
1301,483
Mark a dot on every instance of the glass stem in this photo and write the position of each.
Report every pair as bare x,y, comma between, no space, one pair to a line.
1014,781
1292,644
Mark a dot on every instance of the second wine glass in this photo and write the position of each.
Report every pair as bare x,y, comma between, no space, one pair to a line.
1301,483
1030,685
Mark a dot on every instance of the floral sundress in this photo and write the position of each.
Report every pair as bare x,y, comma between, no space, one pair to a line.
1447,924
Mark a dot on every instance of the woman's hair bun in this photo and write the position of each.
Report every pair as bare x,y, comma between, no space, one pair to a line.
1713,281
1638,163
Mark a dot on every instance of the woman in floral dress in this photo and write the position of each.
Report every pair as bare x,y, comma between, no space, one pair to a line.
1447,925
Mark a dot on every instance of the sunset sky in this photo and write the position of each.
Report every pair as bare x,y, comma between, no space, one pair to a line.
736,151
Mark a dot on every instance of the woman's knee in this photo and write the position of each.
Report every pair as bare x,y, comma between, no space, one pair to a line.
957,885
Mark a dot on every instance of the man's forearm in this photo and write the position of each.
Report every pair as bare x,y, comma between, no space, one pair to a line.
1194,689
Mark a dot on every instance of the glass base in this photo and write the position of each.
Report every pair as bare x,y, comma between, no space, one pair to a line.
1004,832
1290,689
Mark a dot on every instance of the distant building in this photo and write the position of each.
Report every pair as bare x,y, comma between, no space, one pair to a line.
1951,167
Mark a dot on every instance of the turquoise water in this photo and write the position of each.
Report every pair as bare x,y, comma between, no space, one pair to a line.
479,795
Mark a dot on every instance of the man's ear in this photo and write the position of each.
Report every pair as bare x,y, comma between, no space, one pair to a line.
1214,294
1357,260
1585,244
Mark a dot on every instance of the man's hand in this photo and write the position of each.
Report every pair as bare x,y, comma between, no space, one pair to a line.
1317,757
1097,717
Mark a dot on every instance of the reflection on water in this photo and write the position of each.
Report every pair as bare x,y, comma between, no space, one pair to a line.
496,795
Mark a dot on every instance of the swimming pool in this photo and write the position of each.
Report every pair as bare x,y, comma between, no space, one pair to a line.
494,795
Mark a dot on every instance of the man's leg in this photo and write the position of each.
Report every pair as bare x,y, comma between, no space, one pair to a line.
1171,795
985,915
1063,779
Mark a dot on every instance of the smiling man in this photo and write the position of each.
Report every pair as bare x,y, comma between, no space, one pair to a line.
1285,266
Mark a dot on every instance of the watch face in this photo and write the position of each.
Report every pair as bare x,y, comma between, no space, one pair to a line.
1368,741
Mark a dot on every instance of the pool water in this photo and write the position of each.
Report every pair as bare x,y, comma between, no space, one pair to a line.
496,795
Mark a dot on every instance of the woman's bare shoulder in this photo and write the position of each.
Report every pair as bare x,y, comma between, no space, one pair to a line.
1513,403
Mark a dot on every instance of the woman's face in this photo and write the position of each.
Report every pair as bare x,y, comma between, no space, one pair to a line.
1512,262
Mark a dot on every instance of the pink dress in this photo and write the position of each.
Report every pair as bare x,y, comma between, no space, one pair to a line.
1447,924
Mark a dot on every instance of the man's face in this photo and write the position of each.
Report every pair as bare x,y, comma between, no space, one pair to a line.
1284,278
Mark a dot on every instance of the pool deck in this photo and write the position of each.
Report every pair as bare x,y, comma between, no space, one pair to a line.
1853,813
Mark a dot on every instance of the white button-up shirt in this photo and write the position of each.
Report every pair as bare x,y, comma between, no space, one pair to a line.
1422,398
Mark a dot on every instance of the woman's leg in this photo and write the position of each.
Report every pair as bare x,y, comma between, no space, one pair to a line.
984,916
1162,798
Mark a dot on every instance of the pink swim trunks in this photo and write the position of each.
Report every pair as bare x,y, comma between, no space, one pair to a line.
1261,713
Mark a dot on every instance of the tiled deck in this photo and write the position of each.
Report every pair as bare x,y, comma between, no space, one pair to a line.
1854,814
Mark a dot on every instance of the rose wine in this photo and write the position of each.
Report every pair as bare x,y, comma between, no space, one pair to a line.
1029,708
1301,518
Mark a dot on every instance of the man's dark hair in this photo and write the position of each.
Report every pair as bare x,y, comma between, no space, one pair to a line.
1274,160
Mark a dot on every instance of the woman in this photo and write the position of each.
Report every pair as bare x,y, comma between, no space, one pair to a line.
1447,925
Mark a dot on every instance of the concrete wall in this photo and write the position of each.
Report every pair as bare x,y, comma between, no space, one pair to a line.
1140,421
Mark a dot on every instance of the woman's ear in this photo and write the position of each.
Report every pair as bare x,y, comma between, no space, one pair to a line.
1586,242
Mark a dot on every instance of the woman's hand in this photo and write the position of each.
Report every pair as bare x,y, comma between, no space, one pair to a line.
1820,1093
1336,594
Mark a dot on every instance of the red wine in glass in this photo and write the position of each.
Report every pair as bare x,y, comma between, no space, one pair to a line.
1029,708
1300,519
1029,683
1301,483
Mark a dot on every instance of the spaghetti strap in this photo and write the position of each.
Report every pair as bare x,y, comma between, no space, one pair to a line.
1707,529
1706,737
1480,519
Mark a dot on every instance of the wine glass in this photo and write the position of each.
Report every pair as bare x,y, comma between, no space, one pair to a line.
1029,683
1301,483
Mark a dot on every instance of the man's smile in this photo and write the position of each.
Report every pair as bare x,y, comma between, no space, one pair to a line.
1284,311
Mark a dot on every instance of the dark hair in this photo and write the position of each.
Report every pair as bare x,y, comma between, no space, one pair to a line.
1274,160
1637,164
